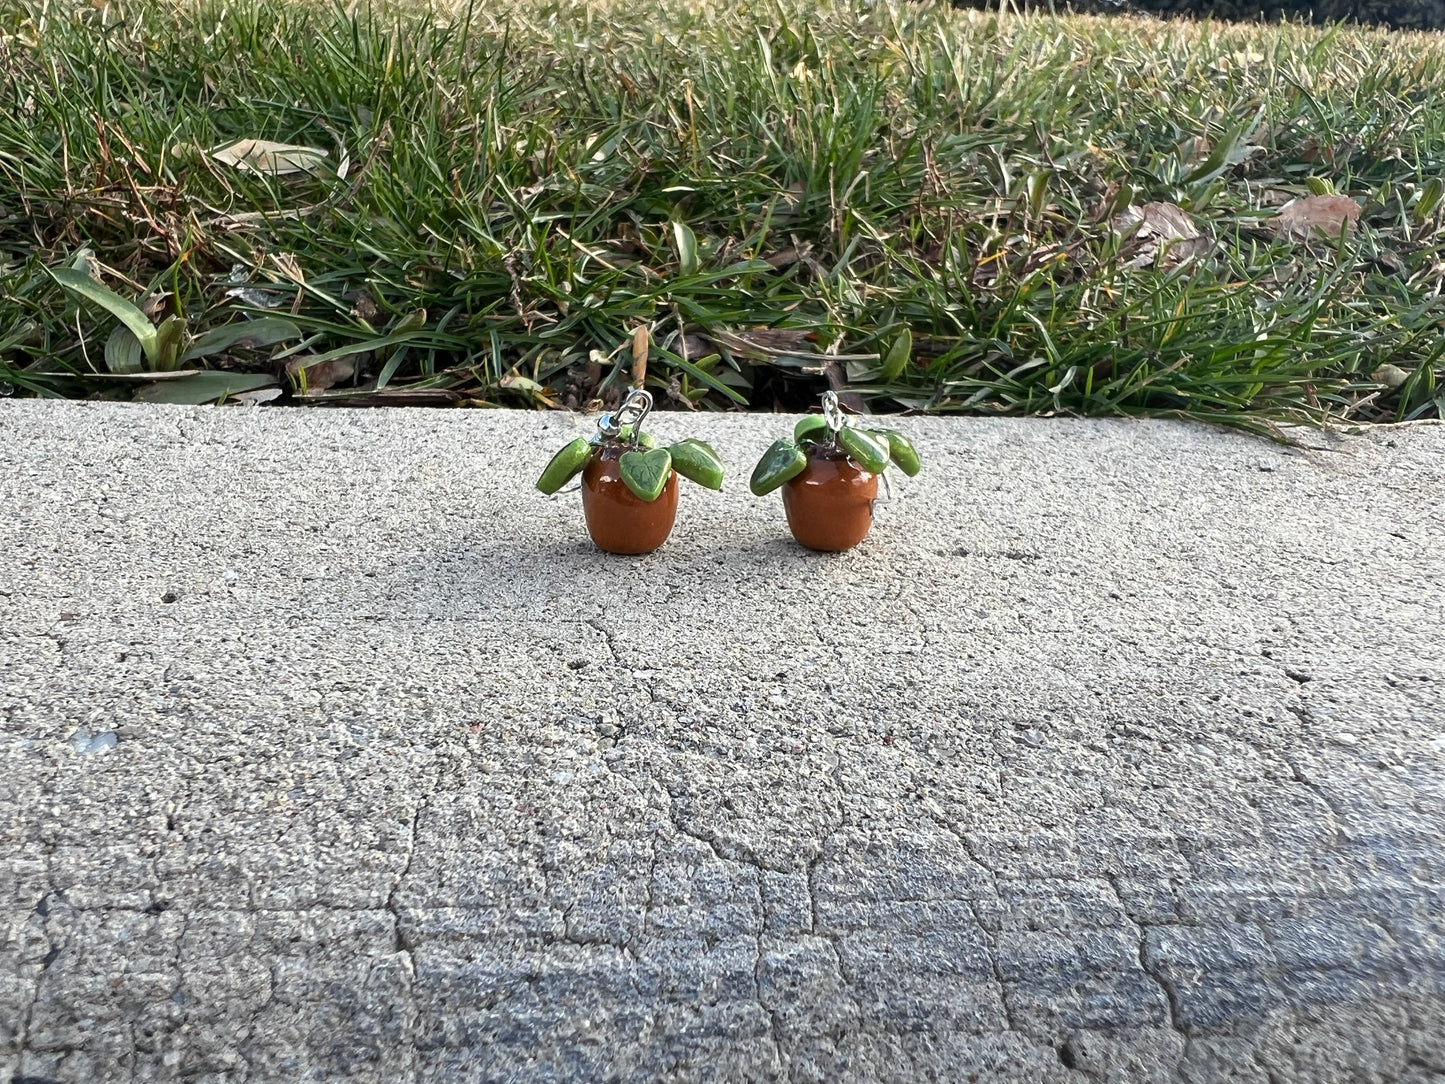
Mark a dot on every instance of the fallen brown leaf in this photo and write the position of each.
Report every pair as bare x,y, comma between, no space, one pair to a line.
524,385
788,256
260,395
1392,376
157,305
762,343
264,156
1300,218
1159,229
771,343
639,356
309,379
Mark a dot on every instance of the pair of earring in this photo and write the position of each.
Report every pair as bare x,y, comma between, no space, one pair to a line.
828,472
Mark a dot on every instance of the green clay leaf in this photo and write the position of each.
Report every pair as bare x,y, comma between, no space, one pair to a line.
901,451
645,472
896,360
697,461
869,452
646,439
565,466
780,463
814,427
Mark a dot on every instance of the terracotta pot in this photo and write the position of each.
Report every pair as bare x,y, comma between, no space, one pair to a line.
618,520
830,505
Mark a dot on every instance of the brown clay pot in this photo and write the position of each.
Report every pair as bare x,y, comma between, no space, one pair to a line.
618,520
830,504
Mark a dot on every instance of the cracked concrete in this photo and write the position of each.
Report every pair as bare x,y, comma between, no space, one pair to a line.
1114,754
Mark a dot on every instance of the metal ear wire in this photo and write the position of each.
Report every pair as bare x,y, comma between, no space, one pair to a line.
833,413
887,497
636,407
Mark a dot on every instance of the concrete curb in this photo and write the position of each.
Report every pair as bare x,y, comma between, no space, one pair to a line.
334,751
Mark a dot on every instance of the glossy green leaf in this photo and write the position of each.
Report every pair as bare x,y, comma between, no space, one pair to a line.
266,331
645,472
123,353
78,282
901,451
697,461
783,461
814,427
564,466
869,452
896,360
646,439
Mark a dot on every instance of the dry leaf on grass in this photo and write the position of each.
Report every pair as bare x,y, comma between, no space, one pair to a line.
693,346
1240,58
764,343
772,343
540,395
794,254
639,356
260,395
311,378
289,267
263,156
1159,229
1300,218
1392,376
156,306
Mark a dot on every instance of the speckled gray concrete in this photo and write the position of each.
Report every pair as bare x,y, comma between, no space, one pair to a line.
331,749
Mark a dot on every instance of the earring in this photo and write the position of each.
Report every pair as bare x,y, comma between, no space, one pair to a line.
829,473
629,481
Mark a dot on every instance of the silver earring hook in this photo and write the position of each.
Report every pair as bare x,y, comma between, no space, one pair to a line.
833,413
636,407
887,497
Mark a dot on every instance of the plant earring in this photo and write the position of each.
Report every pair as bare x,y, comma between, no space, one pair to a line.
629,482
829,476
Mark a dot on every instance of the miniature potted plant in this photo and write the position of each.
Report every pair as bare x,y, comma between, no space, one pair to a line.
829,476
629,482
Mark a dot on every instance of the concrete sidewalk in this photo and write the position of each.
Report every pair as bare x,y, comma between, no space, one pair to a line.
332,750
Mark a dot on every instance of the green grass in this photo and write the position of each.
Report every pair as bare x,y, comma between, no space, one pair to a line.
541,177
